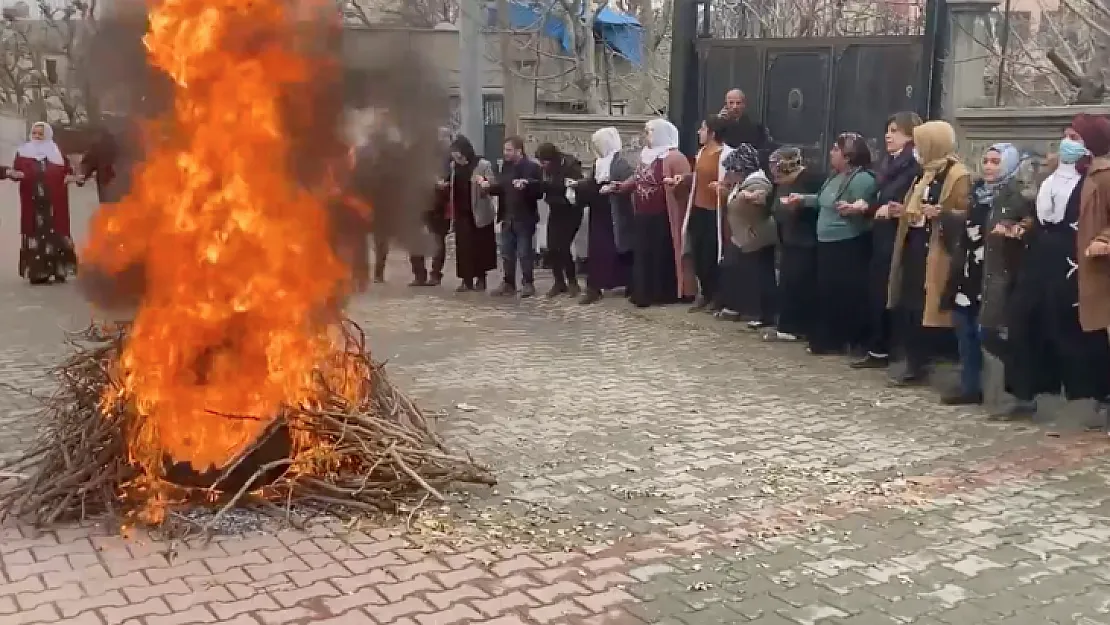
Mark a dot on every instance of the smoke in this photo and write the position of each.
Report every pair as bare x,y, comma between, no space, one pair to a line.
389,110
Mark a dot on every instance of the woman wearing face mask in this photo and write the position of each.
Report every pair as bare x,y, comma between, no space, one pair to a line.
1047,346
921,262
983,270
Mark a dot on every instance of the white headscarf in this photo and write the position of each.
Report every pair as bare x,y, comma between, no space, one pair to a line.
662,138
1055,191
42,149
607,143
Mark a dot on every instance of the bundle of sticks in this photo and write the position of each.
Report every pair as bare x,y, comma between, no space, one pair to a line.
372,450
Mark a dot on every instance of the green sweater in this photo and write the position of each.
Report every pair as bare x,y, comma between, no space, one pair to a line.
847,187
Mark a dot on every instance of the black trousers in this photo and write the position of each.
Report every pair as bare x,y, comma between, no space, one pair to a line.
841,321
797,290
438,226
704,241
880,321
562,226
913,342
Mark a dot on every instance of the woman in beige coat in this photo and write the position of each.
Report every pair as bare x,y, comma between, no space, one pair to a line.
921,262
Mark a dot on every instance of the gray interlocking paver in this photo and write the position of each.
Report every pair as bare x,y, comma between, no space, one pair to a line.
656,467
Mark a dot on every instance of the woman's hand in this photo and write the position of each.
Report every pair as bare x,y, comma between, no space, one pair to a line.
1098,248
792,200
895,209
930,211
883,212
15,174
607,189
672,181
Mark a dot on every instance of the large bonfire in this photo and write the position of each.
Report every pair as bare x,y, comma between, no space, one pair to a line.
238,380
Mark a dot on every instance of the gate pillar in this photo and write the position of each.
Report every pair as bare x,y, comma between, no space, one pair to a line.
965,63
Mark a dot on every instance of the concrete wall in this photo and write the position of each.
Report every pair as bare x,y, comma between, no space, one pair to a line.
573,133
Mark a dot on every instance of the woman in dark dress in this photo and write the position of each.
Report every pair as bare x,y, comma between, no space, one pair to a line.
797,228
609,265
46,251
1046,344
473,214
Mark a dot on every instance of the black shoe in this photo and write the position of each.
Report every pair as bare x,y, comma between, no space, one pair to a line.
871,361
573,289
590,297
480,284
418,281
962,399
437,279
528,290
556,289
465,286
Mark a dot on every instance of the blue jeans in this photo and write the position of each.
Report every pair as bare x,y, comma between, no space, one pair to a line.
970,340
517,241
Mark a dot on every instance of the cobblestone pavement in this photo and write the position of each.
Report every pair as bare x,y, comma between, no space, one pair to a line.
655,468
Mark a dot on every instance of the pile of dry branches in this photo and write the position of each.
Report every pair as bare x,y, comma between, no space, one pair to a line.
365,456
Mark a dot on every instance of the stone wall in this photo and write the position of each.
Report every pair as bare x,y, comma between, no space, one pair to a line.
573,133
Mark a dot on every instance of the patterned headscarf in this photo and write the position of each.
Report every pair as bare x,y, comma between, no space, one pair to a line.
1008,169
744,160
786,161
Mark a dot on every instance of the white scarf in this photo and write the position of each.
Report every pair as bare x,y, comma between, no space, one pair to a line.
1055,191
607,143
663,139
42,149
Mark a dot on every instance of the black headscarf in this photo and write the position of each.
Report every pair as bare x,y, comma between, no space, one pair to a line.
463,146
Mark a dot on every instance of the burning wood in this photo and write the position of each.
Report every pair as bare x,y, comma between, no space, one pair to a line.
361,447
234,382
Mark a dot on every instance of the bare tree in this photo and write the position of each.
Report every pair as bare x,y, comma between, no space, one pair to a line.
588,70
413,13
815,18
42,69
1059,54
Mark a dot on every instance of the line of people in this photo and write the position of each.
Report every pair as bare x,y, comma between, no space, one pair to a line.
878,260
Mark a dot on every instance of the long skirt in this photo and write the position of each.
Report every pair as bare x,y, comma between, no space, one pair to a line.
841,310
798,290
46,253
748,283
880,320
475,248
654,280
606,268
1047,349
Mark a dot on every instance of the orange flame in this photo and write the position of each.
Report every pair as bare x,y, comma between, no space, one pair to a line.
239,271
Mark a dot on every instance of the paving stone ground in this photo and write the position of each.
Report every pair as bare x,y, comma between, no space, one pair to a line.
655,467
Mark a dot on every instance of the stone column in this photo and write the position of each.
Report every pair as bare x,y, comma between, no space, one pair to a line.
967,57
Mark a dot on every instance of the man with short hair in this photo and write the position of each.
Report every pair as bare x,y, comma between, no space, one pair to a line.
740,128
518,191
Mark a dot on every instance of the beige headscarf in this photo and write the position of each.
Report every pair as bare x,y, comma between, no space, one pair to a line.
935,143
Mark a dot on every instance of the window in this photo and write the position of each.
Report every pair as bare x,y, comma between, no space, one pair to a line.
50,68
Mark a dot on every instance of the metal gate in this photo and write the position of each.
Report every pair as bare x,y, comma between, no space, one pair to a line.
807,90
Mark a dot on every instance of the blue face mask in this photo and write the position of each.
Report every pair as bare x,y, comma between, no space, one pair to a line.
1071,151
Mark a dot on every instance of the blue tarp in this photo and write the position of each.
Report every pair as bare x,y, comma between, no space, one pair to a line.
621,33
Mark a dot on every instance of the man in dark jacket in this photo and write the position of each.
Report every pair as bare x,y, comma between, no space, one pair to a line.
518,190
740,128
564,216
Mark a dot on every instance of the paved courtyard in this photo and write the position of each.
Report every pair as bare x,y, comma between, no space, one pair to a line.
656,468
